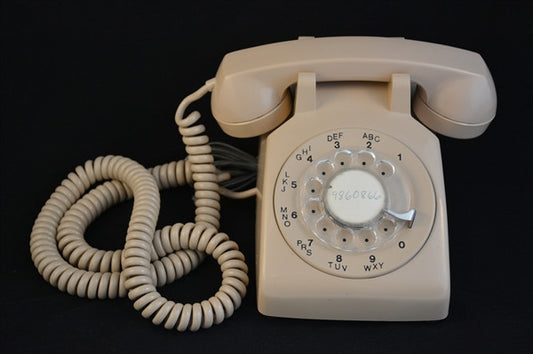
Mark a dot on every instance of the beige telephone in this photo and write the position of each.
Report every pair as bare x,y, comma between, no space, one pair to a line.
351,214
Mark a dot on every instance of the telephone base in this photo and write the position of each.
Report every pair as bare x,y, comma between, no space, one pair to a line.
298,274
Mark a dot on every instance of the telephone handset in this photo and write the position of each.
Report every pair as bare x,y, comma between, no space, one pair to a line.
456,95
351,214
351,217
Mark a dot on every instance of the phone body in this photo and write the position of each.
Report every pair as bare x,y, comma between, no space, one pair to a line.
351,209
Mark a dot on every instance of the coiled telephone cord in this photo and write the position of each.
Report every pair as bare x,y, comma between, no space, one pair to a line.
150,258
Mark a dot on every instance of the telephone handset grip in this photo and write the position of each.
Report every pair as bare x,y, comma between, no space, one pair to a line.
456,95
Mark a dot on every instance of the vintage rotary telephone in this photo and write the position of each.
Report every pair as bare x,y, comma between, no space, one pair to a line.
351,214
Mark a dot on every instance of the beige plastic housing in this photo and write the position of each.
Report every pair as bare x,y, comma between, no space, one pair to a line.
456,95
287,285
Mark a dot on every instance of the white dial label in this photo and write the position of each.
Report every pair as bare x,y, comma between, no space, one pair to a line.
354,197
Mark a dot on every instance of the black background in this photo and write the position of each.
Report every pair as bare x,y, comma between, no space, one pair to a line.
86,79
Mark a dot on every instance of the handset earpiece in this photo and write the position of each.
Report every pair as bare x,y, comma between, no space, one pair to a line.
458,107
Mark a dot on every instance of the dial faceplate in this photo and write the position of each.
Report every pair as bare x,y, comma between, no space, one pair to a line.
345,201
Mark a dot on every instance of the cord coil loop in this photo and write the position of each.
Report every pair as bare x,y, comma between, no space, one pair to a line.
150,258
